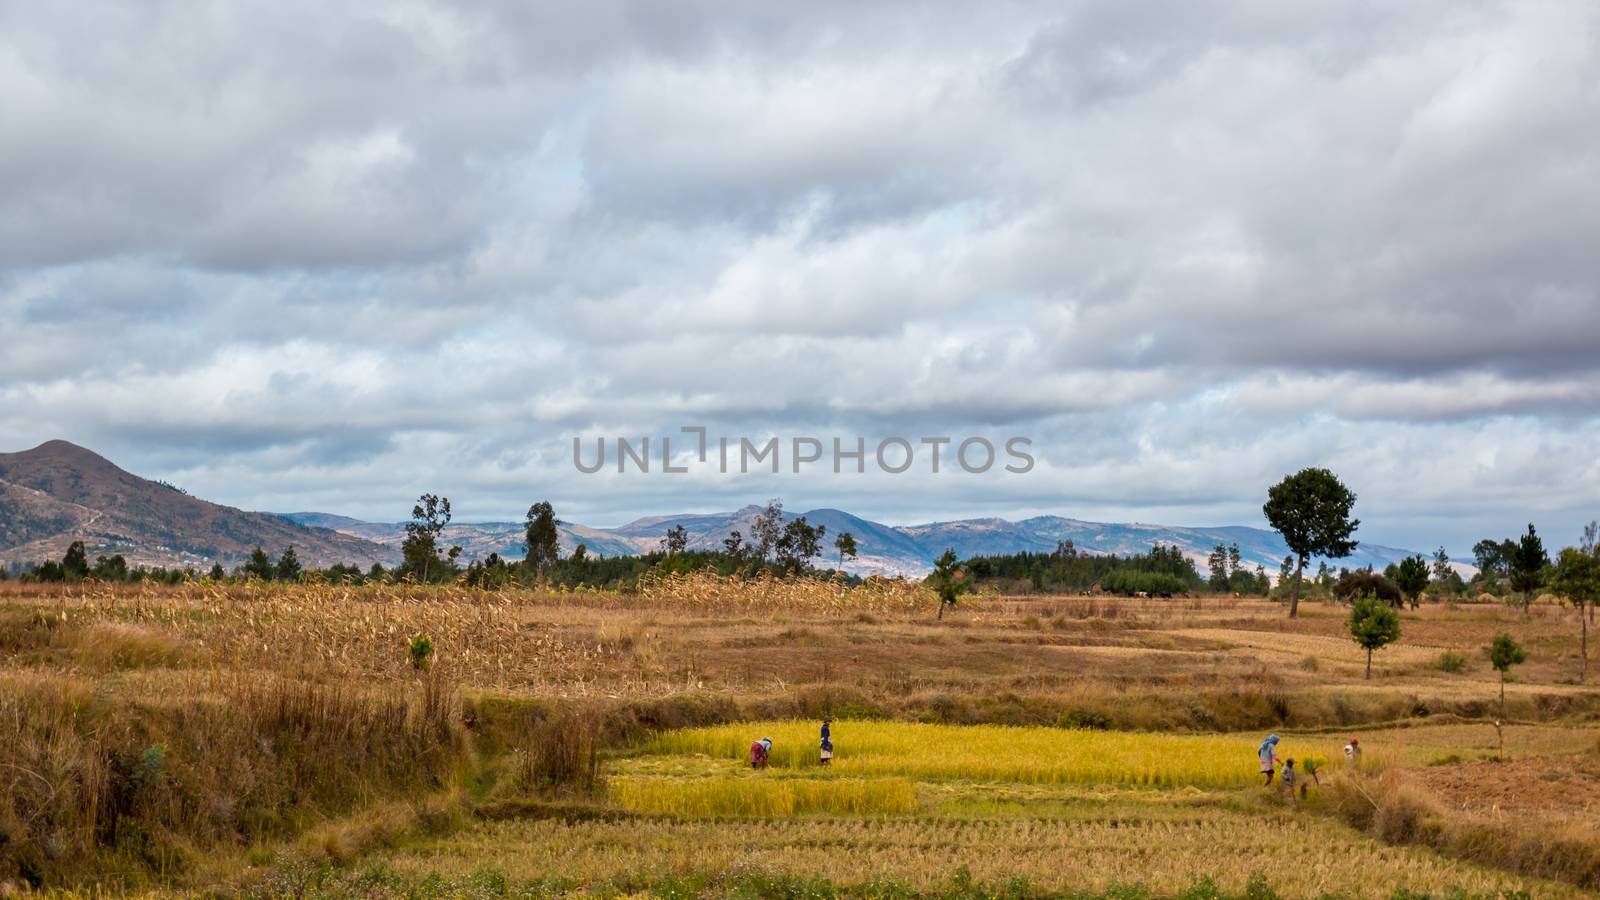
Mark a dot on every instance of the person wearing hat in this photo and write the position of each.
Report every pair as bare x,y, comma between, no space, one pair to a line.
1352,753
1268,754
827,741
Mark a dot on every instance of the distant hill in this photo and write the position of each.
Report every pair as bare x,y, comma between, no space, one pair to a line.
885,549
59,492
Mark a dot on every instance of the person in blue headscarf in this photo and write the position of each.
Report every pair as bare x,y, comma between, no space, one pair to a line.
1268,754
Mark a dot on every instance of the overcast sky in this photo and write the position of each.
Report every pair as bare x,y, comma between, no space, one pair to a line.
312,256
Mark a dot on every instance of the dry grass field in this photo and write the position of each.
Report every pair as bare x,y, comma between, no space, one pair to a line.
278,740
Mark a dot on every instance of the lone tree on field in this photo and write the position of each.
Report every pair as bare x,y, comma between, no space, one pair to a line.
1503,654
1527,565
1411,575
421,546
1311,509
1374,625
543,540
1577,577
947,581
845,543
676,541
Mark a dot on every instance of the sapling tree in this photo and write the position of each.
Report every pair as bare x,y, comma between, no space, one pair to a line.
948,580
1503,654
1311,509
1373,625
1312,765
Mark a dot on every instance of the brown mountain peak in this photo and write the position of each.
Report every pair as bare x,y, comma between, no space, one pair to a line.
59,492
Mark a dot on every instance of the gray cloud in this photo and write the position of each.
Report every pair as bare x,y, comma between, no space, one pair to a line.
294,255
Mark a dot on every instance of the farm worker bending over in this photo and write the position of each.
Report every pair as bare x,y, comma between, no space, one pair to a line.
1352,752
760,751
1268,755
827,742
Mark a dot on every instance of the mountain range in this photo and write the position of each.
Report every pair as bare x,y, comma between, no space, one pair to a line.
882,549
59,492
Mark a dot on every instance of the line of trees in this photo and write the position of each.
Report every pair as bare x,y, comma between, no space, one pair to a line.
1163,571
74,565
776,544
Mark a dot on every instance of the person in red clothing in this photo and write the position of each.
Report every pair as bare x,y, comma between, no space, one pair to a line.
760,752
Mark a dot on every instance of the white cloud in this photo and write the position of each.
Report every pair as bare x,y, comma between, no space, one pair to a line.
300,255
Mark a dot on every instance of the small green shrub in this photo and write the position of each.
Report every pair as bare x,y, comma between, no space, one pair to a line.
1452,662
1084,718
421,652
1312,765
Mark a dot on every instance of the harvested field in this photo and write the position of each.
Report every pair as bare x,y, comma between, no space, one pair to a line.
1069,741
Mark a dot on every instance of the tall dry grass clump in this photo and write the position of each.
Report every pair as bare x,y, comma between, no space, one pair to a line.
557,753
1379,802
109,646
135,790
